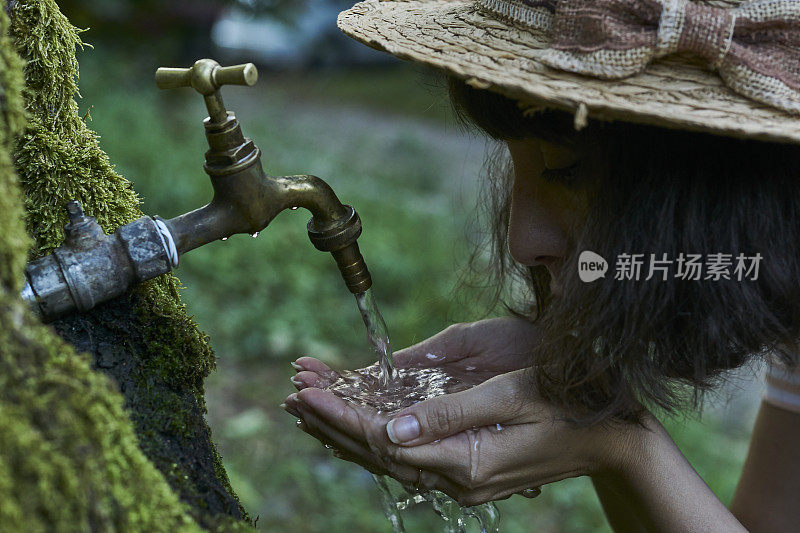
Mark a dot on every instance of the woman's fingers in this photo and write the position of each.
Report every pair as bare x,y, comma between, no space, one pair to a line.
313,364
451,344
477,458
450,455
306,378
497,344
496,401
356,452
351,449
471,466
359,423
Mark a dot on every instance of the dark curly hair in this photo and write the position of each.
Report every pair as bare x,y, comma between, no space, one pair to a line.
612,346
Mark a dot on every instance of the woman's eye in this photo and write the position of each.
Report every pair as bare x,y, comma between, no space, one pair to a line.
565,176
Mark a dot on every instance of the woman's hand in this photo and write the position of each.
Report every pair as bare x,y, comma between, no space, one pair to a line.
497,438
518,444
471,352
481,444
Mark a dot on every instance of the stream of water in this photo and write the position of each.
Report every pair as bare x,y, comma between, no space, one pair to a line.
390,390
397,498
377,335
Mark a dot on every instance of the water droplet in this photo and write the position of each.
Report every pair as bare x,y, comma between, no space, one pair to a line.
499,427
294,208
254,235
224,238
434,357
469,368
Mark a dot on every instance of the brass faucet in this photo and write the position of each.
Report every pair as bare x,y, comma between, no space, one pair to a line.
245,200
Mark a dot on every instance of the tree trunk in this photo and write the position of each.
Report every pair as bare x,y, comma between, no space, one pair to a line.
80,451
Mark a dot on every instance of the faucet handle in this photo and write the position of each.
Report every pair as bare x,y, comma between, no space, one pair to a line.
206,76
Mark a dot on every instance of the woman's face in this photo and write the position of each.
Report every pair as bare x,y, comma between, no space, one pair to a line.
544,208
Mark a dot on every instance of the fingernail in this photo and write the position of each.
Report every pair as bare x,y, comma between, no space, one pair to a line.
297,367
292,411
283,406
296,382
403,429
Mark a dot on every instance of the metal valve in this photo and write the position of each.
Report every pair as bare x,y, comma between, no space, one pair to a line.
206,77
92,267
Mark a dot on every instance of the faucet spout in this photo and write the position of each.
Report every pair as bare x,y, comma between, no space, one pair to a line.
333,228
245,199
249,201
313,194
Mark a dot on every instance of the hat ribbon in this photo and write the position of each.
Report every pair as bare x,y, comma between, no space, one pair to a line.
754,47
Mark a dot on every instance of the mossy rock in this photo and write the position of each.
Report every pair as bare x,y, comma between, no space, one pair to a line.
112,439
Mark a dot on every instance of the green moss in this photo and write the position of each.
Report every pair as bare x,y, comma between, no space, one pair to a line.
15,241
58,159
70,458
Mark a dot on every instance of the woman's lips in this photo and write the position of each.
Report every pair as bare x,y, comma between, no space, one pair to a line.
553,265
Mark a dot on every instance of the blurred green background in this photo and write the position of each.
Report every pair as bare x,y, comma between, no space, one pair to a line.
381,133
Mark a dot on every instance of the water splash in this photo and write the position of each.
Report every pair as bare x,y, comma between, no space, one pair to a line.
377,335
390,503
409,386
398,498
412,385
389,390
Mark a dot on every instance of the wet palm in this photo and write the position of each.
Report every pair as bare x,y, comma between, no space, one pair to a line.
470,353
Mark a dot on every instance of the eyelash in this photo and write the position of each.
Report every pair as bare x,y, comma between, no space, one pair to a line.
566,176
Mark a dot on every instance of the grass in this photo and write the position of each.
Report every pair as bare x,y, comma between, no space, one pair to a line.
386,144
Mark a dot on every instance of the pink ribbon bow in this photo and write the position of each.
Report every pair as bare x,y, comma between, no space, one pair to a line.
755,47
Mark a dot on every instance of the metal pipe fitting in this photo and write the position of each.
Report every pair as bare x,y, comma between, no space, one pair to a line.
92,267
249,201
340,241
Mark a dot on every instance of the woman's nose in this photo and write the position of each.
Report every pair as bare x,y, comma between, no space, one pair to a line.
535,233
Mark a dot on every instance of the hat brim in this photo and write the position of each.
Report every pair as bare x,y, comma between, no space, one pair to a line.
489,53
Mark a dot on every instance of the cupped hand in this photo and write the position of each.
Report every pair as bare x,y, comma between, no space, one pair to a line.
485,443
470,352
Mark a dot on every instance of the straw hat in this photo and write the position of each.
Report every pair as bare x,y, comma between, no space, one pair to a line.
726,66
